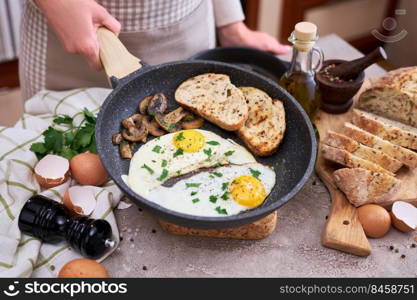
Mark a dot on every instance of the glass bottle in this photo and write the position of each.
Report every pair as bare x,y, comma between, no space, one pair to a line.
299,79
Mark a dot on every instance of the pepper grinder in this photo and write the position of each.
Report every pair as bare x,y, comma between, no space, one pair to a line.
51,222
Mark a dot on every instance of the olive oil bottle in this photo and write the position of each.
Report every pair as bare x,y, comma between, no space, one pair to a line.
299,79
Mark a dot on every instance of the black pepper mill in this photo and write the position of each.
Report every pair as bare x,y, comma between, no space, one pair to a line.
51,222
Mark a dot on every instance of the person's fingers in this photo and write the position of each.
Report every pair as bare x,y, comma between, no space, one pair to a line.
106,19
90,50
275,47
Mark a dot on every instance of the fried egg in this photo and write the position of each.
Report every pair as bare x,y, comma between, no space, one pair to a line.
223,191
179,153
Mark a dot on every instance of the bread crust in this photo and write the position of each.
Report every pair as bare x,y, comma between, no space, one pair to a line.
265,127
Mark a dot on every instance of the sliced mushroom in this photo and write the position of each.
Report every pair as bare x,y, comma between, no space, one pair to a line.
152,126
143,105
125,150
158,104
170,121
133,121
134,134
191,121
116,138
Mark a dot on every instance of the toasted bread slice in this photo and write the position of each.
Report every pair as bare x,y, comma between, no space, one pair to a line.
393,131
376,156
362,186
347,159
215,98
264,129
407,157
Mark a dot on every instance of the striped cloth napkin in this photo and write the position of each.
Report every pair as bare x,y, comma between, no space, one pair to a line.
22,255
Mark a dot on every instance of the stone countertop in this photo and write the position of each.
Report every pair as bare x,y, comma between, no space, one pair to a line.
293,250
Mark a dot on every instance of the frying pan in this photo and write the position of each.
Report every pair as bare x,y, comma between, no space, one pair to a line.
293,162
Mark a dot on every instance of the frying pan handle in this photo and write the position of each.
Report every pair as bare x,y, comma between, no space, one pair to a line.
117,61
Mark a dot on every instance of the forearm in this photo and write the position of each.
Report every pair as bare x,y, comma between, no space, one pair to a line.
227,12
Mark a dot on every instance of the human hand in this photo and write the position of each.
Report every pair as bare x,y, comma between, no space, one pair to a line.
237,34
76,22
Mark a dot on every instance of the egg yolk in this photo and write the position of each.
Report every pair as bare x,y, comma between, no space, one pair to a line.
247,191
189,140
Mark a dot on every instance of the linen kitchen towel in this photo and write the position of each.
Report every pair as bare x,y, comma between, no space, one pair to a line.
22,255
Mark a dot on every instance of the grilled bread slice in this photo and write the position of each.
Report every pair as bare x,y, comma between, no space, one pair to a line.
362,186
347,159
395,132
215,98
376,156
407,157
393,96
264,129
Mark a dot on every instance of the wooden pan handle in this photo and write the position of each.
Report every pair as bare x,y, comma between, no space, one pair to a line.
116,59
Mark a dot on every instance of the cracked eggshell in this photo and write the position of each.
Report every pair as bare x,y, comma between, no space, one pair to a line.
51,171
404,216
80,200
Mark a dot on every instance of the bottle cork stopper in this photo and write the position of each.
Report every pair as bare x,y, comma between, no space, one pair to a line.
305,31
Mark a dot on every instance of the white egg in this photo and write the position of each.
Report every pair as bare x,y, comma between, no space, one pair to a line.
218,192
179,153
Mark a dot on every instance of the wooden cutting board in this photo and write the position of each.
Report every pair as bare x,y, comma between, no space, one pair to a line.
343,230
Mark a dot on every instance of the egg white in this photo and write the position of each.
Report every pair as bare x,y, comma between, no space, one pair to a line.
179,197
143,180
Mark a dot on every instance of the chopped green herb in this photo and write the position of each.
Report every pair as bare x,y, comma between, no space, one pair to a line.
217,174
195,200
211,176
208,152
180,137
164,163
154,161
224,186
254,173
148,169
171,127
213,143
188,185
188,119
234,182
217,165
213,199
163,175
228,153
225,196
193,193
179,172
164,123
157,149
178,152
221,211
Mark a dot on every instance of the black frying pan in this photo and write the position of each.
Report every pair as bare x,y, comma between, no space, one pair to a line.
293,162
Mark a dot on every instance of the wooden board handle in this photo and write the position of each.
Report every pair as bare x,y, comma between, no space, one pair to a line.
116,59
343,230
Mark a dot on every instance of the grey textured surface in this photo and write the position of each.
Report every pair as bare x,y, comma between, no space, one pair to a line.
293,250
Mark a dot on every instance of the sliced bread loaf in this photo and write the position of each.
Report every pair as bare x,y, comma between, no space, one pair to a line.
395,132
347,159
376,156
393,96
362,186
215,98
264,129
407,157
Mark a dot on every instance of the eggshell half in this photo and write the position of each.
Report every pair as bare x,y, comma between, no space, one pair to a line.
80,200
404,216
51,171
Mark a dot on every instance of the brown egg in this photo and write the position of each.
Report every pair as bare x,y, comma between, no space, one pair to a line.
83,268
87,169
375,220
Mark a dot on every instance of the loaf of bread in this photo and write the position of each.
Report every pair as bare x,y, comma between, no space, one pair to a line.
215,98
376,156
393,96
393,131
264,129
347,159
362,186
407,157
